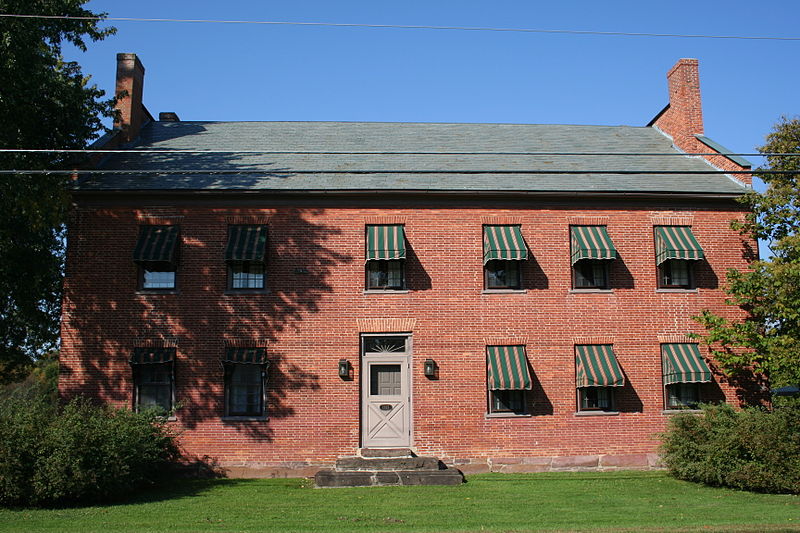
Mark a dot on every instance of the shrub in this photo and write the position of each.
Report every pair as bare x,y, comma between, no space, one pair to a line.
751,449
80,452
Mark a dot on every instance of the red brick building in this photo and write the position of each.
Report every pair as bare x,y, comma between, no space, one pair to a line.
499,295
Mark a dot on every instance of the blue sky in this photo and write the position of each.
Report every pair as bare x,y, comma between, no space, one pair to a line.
253,72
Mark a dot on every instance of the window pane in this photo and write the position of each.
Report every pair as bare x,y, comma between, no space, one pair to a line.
384,344
590,274
247,276
595,398
505,401
245,390
385,274
395,274
502,274
675,273
680,272
385,380
154,385
158,279
683,395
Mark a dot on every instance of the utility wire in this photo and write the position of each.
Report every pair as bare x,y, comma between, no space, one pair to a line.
381,152
411,27
387,171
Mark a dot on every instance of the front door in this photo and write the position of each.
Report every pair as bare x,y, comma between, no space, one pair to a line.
385,390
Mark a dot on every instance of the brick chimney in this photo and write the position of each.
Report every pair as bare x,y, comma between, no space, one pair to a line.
682,119
130,82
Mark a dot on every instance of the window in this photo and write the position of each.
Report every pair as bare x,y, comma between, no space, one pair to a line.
156,254
684,369
590,274
385,257
245,390
675,274
507,401
592,251
383,274
157,276
245,379
153,378
596,399
245,255
503,250
508,379
499,274
597,374
677,250
683,395
246,275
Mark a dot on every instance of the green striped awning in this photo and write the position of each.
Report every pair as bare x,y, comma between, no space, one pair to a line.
683,364
596,366
591,242
386,242
256,356
507,368
676,242
246,243
503,242
143,356
157,244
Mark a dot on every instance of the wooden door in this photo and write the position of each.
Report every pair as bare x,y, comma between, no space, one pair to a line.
386,392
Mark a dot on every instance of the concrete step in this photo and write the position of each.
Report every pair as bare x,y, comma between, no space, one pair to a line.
386,452
363,478
383,464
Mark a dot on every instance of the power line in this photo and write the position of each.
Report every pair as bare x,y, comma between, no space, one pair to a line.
384,152
387,171
411,27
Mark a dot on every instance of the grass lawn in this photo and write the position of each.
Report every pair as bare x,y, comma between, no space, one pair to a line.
632,501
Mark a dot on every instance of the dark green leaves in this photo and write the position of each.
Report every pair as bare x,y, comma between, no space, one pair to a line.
45,103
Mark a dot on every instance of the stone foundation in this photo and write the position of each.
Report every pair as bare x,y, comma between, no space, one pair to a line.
578,463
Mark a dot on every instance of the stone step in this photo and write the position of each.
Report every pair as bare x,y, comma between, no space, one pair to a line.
386,452
383,464
363,478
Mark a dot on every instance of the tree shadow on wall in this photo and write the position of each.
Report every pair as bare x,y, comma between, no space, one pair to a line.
107,317
751,389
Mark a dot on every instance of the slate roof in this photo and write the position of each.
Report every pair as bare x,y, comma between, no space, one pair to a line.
425,161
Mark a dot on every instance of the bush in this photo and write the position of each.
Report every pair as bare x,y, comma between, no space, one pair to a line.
80,452
751,449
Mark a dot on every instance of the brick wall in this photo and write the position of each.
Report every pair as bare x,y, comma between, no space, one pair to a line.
312,318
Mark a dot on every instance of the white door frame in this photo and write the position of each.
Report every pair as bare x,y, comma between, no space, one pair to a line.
403,402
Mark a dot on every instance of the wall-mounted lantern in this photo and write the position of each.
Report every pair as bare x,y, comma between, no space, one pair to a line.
345,369
431,369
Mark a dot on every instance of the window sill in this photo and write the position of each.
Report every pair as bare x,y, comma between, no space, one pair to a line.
591,291
245,418
504,291
677,290
246,292
677,411
507,415
386,291
596,413
157,292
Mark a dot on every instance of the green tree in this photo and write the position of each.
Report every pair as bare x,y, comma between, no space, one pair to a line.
769,340
45,103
